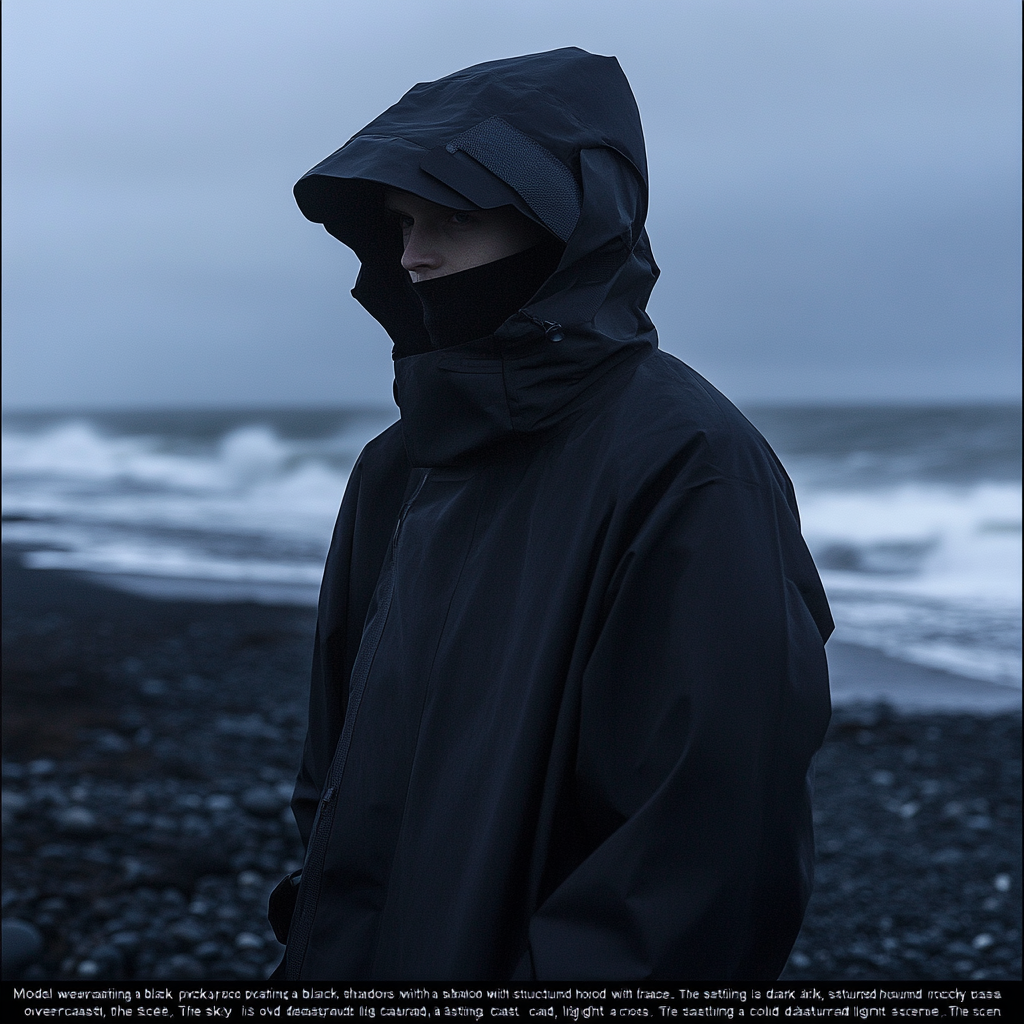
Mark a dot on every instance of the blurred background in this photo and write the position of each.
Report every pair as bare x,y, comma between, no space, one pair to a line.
186,383
833,190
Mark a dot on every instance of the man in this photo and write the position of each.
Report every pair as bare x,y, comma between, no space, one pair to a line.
569,671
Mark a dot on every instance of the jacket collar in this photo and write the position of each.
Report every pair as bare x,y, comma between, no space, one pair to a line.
500,395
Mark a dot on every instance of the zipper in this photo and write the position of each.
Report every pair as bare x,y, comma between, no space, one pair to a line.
312,869
552,331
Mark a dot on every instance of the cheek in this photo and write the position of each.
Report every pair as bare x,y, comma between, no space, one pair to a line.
497,246
466,253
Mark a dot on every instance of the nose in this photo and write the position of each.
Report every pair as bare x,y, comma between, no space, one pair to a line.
420,254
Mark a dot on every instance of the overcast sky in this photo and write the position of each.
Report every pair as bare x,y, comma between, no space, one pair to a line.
834,197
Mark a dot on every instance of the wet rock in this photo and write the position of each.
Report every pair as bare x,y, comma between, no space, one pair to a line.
264,801
910,850
128,942
248,940
22,944
181,966
249,726
78,820
13,803
189,931
111,743
87,968
108,961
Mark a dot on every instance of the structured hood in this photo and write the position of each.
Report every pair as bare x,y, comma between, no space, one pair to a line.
556,135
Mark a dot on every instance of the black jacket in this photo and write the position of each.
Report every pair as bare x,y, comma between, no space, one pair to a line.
569,672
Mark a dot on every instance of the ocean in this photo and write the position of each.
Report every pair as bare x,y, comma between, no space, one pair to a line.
913,514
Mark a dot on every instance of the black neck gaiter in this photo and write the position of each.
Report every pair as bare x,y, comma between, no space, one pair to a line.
474,303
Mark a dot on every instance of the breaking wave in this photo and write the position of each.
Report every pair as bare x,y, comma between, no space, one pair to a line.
923,564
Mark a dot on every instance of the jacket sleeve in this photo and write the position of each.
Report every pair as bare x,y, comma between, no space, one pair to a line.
327,697
700,707
366,520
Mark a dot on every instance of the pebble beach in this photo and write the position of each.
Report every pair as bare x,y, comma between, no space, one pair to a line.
149,748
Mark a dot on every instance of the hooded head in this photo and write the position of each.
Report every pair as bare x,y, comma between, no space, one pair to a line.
555,135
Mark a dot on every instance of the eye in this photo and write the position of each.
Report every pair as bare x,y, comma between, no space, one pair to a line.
461,218
403,220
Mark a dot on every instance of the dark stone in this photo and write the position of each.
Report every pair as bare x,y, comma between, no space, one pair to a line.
263,801
22,944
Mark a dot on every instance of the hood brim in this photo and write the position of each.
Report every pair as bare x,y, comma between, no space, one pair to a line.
329,191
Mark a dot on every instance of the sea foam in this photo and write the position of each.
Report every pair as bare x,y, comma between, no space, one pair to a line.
920,559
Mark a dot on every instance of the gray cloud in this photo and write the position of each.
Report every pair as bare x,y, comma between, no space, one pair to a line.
833,189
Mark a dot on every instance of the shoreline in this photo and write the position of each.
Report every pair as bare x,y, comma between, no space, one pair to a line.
857,674
864,675
150,745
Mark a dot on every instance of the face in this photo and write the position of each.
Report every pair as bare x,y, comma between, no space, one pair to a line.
440,241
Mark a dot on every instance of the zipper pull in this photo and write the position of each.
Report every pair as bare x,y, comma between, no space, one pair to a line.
327,797
552,331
